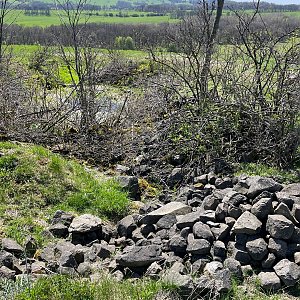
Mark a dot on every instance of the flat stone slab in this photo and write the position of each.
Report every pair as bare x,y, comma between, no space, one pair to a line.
139,256
260,184
292,189
172,208
85,223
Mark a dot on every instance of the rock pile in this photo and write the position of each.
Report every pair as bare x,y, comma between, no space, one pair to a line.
214,230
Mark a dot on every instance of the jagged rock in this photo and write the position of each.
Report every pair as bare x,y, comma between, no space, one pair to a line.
175,177
219,249
260,184
257,248
269,281
234,212
210,202
279,227
67,259
7,273
221,211
286,199
187,220
172,208
103,250
221,231
84,269
247,223
59,230
234,266
234,198
282,209
239,253
269,261
198,246
292,189
139,256
11,246
199,265
223,183
6,259
38,267
297,258
262,208
278,247
178,244
288,272
296,212
207,215
166,222
131,185
201,179
126,226
85,223
62,217
202,231
153,271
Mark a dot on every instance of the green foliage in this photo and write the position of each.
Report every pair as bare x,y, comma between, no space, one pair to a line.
34,182
124,43
62,287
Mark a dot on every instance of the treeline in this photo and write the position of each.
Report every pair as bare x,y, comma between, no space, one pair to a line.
143,35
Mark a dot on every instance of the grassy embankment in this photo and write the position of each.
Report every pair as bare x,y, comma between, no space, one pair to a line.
34,183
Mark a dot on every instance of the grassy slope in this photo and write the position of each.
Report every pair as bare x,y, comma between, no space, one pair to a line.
35,182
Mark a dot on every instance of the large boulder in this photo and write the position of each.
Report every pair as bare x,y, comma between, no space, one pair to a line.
288,272
247,223
260,184
85,223
269,281
292,189
172,208
280,227
11,246
257,248
139,256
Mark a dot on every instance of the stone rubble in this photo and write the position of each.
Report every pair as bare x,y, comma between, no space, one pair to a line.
235,226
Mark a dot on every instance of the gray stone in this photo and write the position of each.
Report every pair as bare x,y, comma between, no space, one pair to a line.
292,189
30,246
62,217
6,259
296,212
234,266
130,184
38,267
269,261
85,223
84,269
59,230
234,212
279,227
166,222
212,268
262,208
234,198
202,231
282,209
286,199
172,208
210,202
297,258
260,184
219,249
139,256
198,246
184,283
288,272
247,223
175,177
239,253
278,247
221,232
187,220
153,271
257,248
102,250
12,246
67,259
269,281
7,273
222,211
126,226
178,244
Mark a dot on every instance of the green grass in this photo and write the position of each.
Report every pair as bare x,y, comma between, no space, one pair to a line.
253,169
62,287
18,17
34,183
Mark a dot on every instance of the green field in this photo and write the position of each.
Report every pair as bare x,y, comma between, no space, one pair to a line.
18,17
